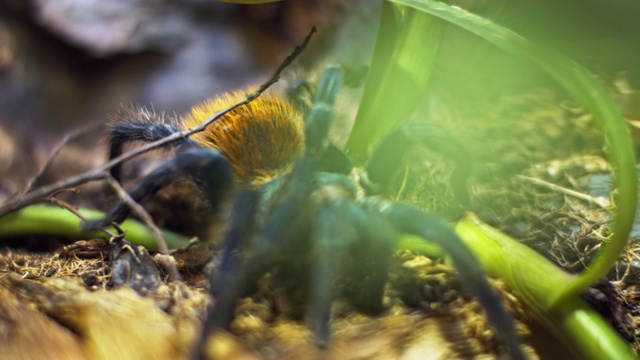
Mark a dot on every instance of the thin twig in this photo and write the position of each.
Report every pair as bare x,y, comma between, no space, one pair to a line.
71,190
65,205
192,242
578,195
138,210
98,173
65,140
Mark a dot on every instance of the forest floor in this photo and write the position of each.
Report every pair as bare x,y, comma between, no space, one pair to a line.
60,297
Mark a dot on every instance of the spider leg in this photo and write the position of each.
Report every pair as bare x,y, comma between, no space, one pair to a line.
412,220
395,145
379,235
130,130
207,167
332,232
289,220
320,116
286,220
338,226
229,279
324,238
282,227
290,217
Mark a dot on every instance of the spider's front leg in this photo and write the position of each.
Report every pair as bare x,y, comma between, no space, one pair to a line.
206,167
140,125
412,220
340,226
228,280
286,223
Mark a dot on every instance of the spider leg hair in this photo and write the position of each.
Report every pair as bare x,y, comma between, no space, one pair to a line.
340,227
207,167
324,237
412,220
329,157
228,281
294,193
387,155
379,235
289,220
289,214
282,226
332,233
145,131
319,118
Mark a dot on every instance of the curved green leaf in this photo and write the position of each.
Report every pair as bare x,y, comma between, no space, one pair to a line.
592,94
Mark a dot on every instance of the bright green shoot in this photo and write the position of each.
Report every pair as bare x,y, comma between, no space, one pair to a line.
406,47
56,221
532,277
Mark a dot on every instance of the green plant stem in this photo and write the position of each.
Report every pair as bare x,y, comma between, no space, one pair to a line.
533,279
418,245
51,220
590,92
404,53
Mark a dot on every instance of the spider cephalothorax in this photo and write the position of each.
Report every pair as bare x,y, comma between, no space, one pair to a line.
321,211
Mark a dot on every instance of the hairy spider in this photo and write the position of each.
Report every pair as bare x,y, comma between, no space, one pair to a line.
318,209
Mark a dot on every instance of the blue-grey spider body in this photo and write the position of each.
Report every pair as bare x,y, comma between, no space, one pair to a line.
320,210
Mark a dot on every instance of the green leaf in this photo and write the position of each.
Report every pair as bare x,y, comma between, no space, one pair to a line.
404,53
535,280
593,95
55,221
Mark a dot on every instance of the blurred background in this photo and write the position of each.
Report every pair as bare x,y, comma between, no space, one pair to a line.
68,63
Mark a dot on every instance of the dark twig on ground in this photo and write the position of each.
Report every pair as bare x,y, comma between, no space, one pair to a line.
137,209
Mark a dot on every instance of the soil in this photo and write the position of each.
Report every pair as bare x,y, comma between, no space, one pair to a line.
73,294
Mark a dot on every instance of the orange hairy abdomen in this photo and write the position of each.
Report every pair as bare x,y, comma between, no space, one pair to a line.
260,140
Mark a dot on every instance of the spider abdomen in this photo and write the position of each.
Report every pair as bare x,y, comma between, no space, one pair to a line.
260,140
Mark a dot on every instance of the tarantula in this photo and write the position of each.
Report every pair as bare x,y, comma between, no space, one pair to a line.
319,207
